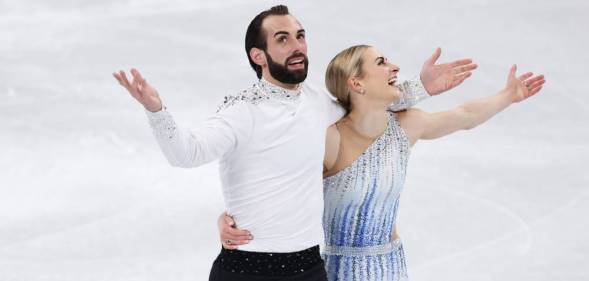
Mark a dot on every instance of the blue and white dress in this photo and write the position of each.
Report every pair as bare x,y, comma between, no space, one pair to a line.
361,203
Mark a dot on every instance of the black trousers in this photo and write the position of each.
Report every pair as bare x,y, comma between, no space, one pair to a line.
236,265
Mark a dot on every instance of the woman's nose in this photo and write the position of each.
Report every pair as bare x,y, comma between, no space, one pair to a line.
395,68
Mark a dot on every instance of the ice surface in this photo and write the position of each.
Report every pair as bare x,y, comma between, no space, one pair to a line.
85,193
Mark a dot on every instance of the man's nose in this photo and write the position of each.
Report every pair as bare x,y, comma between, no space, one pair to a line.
298,47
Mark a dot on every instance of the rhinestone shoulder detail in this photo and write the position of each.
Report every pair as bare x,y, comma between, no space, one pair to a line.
259,92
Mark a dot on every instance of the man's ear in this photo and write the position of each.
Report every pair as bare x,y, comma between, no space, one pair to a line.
258,56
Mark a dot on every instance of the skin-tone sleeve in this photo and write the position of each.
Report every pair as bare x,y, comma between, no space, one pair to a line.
218,136
412,91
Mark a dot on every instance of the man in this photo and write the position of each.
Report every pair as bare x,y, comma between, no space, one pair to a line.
270,142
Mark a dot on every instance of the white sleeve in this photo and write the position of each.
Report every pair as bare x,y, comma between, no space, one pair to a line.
412,92
217,136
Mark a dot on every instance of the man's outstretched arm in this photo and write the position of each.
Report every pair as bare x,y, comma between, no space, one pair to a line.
217,136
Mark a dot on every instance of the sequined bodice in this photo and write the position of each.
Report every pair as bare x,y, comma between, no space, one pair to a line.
361,201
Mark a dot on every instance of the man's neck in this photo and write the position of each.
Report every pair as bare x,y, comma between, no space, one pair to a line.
275,82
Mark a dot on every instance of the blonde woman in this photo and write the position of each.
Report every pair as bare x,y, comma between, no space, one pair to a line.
366,158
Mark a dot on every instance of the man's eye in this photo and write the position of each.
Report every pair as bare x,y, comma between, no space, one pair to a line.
282,39
301,36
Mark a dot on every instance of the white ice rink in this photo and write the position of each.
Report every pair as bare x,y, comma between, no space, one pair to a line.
86,195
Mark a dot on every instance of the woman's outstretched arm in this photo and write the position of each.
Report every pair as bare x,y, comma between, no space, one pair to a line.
422,125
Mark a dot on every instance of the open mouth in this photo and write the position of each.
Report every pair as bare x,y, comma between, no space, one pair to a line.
298,62
393,81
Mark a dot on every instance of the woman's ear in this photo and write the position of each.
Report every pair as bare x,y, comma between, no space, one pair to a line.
355,85
258,56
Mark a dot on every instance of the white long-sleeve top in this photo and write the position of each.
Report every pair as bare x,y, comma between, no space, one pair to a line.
270,143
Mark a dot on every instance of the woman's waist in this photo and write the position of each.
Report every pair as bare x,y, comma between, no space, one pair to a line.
368,250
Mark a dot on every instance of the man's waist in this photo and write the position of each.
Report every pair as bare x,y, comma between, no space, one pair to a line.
282,245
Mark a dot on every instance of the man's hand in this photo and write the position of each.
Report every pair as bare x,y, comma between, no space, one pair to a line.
140,90
232,237
438,78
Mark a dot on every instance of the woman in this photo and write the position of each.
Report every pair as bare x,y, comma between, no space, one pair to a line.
366,158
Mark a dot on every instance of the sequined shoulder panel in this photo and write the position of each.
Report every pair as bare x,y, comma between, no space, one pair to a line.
259,92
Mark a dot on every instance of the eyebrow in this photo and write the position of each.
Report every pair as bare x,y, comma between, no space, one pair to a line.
280,33
286,33
381,57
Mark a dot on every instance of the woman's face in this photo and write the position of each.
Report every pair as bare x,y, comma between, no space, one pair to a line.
380,77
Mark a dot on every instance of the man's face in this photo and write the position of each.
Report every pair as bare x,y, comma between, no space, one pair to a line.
286,52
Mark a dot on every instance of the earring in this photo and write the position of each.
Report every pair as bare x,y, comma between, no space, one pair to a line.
362,91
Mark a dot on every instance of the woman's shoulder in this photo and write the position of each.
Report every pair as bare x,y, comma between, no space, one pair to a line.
333,135
412,122
332,143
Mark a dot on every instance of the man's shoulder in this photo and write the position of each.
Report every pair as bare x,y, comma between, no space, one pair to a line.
317,91
249,96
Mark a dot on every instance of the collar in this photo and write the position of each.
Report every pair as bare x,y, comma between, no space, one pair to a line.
273,91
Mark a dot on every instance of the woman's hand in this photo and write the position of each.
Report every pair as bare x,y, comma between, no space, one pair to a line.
524,86
439,78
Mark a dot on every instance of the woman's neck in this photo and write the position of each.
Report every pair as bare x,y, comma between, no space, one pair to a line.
367,122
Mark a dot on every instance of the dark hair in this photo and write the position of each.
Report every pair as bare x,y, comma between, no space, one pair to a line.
255,37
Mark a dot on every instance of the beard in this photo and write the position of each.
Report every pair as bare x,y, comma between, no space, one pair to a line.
281,72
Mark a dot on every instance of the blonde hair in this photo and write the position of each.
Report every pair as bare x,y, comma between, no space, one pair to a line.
348,63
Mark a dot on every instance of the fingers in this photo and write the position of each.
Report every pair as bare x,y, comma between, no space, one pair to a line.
435,56
465,68
137,76
461,77
525,76
235,234
534,91
533,80
535,84
230,232
116,76
460,62
228,220
125,80
512,70
231,245
458,79
119,77
231,238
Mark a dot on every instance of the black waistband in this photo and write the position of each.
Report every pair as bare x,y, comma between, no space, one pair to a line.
269,264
